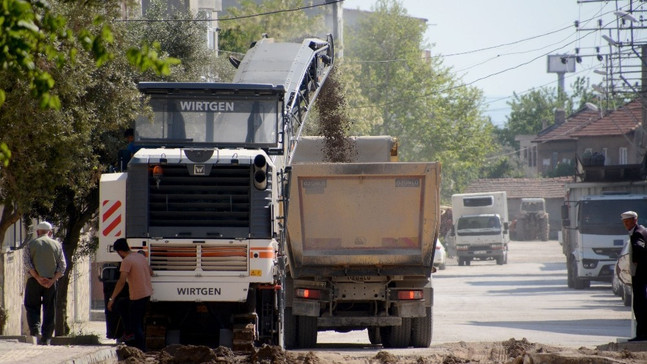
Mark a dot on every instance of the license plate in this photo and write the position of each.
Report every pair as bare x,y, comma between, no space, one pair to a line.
480,252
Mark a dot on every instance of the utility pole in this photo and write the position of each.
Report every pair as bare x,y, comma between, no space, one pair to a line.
337,26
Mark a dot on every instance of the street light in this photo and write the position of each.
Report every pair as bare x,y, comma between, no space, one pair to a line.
591,106
626,16
610,40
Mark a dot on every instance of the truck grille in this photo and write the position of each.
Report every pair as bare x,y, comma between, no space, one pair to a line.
182,257
221,199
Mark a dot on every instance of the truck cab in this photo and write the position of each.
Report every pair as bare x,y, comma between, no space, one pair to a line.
595,234
486,233
480,228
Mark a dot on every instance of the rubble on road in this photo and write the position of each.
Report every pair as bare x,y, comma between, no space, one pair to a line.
511,351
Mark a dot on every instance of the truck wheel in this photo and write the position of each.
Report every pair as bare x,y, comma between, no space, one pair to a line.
396,336
467,261
421,330
521,228
570,281
461,262
374,335
577,282
289,329
544,228
307,329
500,260
626,295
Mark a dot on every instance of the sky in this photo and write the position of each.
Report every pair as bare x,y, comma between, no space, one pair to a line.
520,34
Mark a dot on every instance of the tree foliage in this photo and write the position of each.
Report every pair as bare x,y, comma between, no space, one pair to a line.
534,110
237,35
419,100
58,153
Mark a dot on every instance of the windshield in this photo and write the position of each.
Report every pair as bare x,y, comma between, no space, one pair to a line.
532,206
602,217
479,222
238,120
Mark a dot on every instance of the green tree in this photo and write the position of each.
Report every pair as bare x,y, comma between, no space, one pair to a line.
420,101
237,35
59,152
179,39
530,113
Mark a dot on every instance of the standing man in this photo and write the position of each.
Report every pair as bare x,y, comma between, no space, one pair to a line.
45,264
637,239
136,271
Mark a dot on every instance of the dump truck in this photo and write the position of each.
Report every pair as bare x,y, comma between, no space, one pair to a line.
480,226
361,240
204,197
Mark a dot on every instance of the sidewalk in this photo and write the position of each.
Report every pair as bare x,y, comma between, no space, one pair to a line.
67,350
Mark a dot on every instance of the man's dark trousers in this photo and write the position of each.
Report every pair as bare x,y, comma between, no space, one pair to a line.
35,296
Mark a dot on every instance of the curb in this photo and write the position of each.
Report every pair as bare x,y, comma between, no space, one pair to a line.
103,356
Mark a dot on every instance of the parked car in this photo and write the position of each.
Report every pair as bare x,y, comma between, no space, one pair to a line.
622,290
440,257
621,282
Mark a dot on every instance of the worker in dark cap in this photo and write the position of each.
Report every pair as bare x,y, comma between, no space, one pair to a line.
637,239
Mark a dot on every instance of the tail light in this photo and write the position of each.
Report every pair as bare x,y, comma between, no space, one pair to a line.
313,294
410,295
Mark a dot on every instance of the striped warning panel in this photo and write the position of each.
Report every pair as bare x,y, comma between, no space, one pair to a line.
111,218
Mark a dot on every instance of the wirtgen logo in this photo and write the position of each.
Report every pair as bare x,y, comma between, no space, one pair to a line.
198,169
206,106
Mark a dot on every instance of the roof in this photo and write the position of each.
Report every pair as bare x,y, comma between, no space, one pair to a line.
589,123
565,130
618,122
522,187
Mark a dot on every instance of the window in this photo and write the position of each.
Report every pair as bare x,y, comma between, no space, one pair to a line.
622,153
606,157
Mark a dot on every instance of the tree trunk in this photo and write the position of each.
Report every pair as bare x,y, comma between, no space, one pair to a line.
77,218
9,217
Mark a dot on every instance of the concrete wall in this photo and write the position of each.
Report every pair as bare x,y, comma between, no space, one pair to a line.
12,286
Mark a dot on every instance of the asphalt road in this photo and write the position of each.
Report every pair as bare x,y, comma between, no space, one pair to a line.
526,298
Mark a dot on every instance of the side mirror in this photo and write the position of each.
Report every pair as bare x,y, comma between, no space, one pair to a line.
506,227
452,232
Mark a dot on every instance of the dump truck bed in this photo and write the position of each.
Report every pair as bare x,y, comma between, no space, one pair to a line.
363,218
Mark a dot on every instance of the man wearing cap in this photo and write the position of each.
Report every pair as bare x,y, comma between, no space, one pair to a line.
45,264
637,239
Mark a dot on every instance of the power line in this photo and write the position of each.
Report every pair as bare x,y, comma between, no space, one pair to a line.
506,44
235,17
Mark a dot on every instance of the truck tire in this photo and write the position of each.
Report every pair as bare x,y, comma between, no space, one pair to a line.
500,260
570,280
421,330
396,336
289,329
521,227
307,329
627,295
544,228
374,335
578,283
